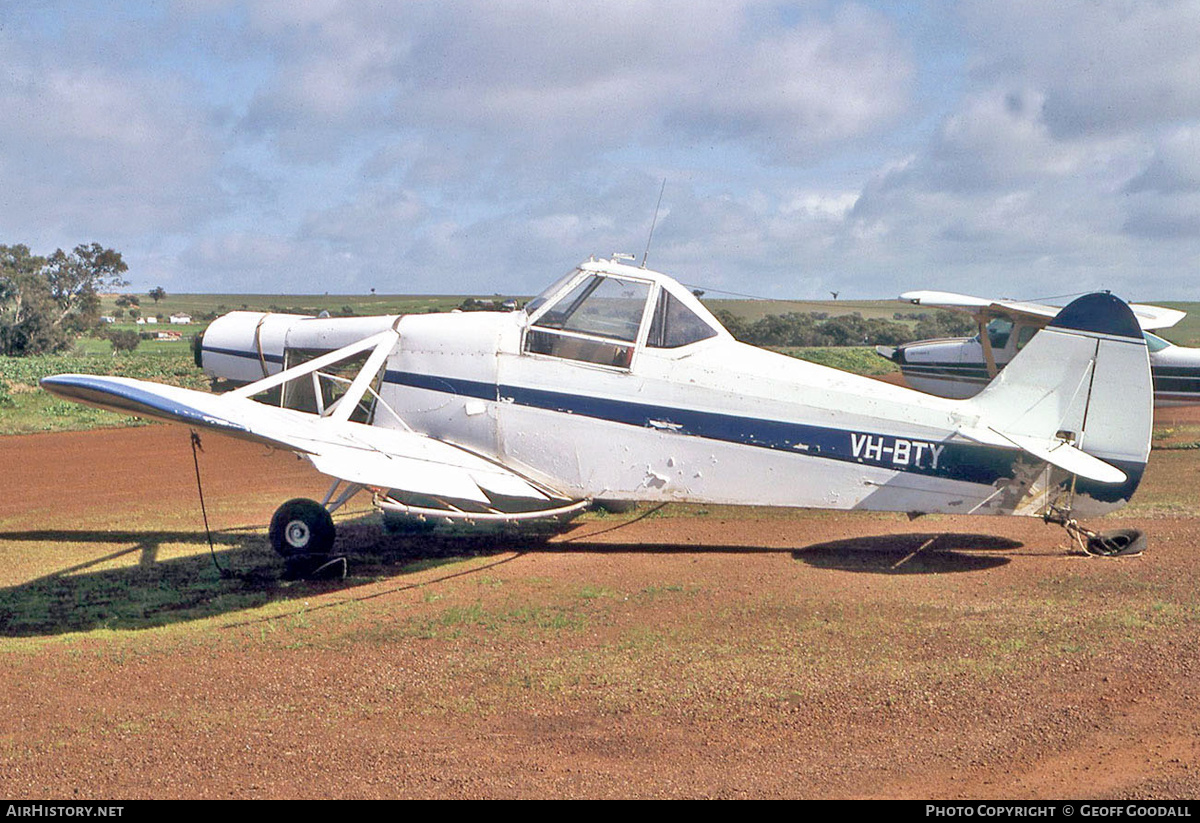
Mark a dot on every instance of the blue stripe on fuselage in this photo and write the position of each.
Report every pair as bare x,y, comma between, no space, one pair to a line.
972,463
249,355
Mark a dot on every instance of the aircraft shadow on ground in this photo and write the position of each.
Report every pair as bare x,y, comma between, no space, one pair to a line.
940,553
883,554
132,587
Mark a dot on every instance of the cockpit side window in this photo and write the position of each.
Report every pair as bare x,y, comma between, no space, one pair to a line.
595,322
998,331
1154,342
676,325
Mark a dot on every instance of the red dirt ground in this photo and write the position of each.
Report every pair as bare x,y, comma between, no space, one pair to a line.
722,653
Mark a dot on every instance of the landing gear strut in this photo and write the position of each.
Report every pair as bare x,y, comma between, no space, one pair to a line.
302,532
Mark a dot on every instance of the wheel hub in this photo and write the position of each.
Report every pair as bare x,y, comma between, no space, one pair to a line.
298,534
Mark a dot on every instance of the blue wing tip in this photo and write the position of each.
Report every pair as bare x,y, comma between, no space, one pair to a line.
1100,313
138,399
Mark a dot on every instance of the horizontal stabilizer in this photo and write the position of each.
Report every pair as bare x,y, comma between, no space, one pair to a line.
1054,451
1062,454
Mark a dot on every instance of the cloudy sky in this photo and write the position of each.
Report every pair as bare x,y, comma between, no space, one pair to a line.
1018,148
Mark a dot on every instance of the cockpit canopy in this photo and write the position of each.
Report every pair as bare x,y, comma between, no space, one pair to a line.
602,311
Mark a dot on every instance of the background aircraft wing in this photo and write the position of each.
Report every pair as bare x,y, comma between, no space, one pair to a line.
358,453
1156,317
1148,317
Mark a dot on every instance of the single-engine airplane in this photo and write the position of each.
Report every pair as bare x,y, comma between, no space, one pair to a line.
616,383
960,367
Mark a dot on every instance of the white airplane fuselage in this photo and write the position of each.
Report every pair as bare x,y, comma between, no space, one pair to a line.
617,384
717,421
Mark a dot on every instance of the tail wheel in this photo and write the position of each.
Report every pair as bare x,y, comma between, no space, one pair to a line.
302,527
1117,543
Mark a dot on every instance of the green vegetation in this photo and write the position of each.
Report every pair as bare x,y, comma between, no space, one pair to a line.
847,329
26,408
752,310
204,307
856,359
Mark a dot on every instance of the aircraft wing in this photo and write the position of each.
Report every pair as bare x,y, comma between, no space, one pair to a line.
1148,317
371,456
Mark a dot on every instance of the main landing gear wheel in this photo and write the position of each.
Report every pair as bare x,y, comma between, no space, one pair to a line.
302,532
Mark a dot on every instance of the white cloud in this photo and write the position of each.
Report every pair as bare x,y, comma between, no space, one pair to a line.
1107,66
472,145
92,150
539,78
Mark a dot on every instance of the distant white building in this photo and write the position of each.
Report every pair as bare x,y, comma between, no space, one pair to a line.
181,319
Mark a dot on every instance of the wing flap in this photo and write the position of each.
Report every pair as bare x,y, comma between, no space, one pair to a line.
379,470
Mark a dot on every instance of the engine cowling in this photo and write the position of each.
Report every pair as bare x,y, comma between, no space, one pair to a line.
244,346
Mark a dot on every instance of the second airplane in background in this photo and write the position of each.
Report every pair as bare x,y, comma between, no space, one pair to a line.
960,367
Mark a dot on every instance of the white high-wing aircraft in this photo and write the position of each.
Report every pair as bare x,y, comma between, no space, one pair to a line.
617,384
960,367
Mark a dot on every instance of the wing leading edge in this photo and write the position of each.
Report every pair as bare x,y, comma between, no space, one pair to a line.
1148,317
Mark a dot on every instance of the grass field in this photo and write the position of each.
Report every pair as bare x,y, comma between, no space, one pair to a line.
25,408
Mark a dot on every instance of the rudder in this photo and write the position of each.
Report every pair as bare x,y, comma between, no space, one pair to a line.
1083,380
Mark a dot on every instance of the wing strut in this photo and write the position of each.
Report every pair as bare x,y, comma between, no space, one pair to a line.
384,341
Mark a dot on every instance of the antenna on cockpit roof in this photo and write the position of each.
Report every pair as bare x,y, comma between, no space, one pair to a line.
654,222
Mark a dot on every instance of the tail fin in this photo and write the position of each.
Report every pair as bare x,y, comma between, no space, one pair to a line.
1080,396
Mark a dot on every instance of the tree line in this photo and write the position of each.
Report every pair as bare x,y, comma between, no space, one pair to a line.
45,302
808,329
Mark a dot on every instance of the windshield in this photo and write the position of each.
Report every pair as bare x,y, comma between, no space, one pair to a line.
549,292
603,306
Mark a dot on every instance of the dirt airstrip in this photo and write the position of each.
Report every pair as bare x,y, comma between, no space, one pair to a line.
683,652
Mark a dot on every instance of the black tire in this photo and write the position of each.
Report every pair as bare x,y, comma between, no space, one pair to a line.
1118,543
302,527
